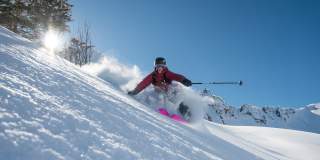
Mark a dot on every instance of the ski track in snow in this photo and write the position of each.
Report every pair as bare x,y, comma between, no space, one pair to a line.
50,109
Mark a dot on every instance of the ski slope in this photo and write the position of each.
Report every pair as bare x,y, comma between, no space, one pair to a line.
270,143
50,109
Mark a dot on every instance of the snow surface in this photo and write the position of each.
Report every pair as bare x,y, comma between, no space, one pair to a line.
271,143
51,109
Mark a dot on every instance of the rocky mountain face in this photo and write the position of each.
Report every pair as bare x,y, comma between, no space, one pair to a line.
291,118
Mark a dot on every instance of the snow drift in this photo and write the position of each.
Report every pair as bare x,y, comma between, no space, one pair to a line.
50,109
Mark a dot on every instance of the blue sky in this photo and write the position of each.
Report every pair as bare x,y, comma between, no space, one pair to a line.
272,45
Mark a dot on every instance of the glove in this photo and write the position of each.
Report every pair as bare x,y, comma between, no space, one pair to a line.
132,93
186,82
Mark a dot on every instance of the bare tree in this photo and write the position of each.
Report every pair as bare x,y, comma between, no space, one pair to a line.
80,50
86,46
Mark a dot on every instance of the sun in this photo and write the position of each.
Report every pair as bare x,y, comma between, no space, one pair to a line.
51,40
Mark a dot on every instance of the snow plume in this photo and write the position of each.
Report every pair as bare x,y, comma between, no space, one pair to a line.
176,94
111,70
197,103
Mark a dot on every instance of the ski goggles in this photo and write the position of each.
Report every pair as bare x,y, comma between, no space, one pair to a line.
158,66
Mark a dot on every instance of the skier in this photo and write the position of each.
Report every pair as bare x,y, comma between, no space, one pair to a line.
161,78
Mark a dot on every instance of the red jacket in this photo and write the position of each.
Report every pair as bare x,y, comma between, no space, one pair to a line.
161,81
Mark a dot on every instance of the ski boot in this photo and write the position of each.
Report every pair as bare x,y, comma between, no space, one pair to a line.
184,111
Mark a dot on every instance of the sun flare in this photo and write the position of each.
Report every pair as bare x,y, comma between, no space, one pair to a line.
51,40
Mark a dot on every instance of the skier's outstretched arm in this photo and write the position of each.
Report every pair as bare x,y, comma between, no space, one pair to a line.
179,78
142,85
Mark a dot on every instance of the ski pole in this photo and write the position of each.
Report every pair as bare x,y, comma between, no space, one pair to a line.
233,82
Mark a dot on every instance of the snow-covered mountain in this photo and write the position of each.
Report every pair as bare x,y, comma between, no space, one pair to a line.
304,119
50,109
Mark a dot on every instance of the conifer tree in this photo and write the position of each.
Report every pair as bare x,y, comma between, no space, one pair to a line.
31,18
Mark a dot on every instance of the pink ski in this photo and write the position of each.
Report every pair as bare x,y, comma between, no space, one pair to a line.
175,117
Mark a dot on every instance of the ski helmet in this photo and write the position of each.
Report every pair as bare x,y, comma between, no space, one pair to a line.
160,60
